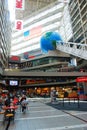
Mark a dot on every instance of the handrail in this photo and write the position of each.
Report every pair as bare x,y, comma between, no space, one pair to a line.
75,49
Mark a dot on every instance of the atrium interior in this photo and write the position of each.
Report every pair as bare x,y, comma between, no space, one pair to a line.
43,64
23,35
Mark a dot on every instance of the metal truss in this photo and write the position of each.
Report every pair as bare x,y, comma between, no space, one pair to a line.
75,49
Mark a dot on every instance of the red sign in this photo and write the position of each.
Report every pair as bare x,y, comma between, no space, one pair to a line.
14,58
20,4
81,79
30,57
18,25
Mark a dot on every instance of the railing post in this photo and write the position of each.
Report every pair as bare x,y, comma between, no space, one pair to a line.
78,102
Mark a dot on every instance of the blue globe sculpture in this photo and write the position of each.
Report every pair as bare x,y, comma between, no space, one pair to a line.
48,41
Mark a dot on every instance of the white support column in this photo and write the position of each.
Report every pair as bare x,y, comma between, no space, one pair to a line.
73,61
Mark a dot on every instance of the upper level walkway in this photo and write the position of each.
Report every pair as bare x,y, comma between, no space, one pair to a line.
17,74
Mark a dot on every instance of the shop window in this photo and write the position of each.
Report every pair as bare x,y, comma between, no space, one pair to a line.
80,1
85,25
84,10
86,34
83,3
76,19
84,18
77,12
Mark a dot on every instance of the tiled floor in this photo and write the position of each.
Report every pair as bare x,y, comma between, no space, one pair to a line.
42,115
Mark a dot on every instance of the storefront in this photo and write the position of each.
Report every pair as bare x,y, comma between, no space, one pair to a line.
82,87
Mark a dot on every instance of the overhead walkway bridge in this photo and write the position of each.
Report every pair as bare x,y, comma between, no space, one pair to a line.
75,49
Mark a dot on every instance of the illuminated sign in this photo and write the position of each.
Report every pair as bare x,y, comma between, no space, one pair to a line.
35,81
18,24
81,79
19,4
14,59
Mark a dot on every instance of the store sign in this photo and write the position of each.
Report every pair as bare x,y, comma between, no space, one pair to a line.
30,57
35,81
14,59
19,4
81,79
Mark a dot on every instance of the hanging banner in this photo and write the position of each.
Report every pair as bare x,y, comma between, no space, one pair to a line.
81,79
19,4
18,24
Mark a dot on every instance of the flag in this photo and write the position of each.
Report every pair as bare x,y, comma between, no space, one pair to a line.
34,32
19,4
18,24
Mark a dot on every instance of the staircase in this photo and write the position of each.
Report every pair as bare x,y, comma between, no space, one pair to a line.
75,49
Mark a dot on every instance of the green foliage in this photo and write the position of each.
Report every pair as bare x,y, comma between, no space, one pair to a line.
54,44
